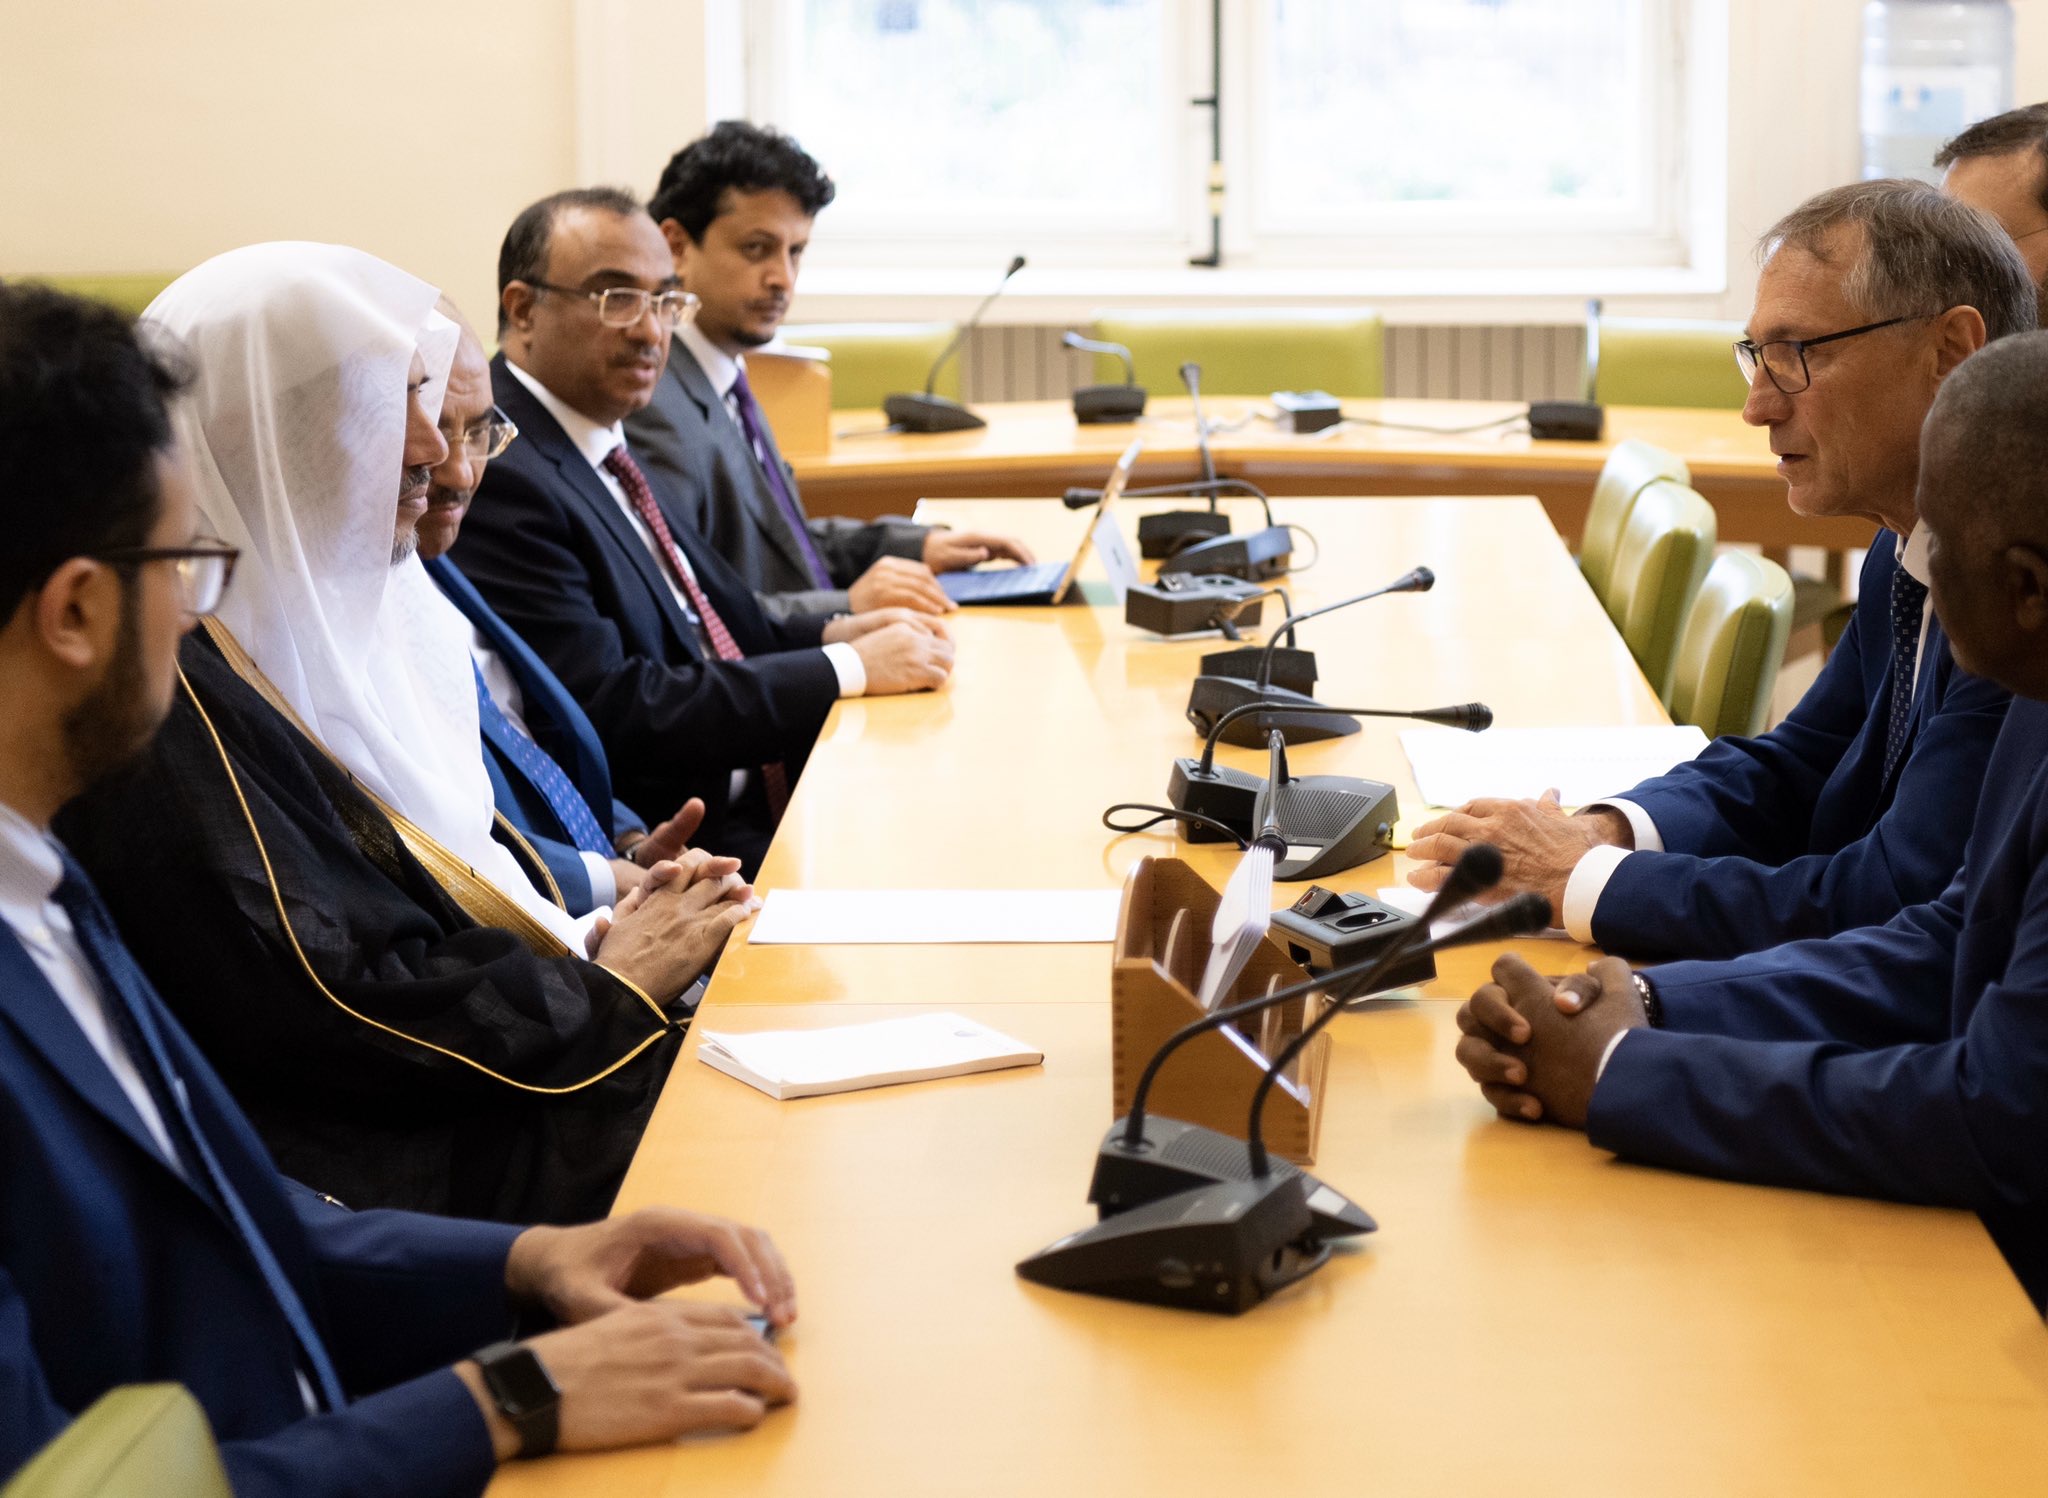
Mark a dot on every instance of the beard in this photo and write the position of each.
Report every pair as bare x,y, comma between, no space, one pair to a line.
404,546
113,725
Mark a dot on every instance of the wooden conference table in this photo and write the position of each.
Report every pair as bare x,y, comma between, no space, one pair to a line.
1532,1315
1035,447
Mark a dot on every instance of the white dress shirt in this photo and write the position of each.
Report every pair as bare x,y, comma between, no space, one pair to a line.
30,871
1590,875
596,443
504,689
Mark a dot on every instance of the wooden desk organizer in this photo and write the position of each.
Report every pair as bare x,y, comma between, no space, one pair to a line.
1162,945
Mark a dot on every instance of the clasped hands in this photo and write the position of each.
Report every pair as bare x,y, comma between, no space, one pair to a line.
632,1368
1535,1044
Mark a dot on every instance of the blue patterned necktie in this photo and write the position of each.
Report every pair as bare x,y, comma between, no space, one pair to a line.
1909,599
755,425
133,1011
541,771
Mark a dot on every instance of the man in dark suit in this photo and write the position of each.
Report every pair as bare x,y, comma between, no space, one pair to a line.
1858,804
1908,1060
549,775
331,1350
693,688
737,208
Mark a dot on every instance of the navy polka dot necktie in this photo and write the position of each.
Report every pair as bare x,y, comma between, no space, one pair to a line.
1909,599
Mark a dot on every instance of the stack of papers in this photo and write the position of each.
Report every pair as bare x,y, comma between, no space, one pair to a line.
1582,764
835,917
810,1063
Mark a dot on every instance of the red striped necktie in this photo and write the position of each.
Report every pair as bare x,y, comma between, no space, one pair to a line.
620,465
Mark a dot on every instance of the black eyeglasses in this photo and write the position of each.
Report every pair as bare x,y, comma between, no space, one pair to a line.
203,569
1784,359
486,439
622,306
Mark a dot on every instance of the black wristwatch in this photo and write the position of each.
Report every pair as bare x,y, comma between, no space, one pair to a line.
525,1394
1653,1010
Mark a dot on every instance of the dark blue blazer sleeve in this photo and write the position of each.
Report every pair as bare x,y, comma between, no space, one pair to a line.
1725,905
1955,1122
424,1437
1755,797
667,709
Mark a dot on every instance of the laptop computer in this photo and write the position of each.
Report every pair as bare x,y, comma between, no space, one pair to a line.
1041,582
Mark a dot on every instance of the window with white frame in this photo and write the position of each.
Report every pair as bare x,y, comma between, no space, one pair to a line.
1393,134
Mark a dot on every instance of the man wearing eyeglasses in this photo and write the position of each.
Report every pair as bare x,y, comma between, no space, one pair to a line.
694,688
2000,165
1857,805
549,775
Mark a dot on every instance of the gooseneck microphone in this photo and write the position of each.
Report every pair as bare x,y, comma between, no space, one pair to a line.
927,412
1523,915
1191,376
1254,556
1415,580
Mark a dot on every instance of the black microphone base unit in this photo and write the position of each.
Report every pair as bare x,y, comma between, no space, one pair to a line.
1254,556
1308,410
1160,536
1223,794
1566,421
1103,405
1331,823
929,413
1324,930
1181,605
1221,1248
1173,1156
1213,696
1293,669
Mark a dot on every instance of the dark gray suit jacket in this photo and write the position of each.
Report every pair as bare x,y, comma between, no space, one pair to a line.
687,433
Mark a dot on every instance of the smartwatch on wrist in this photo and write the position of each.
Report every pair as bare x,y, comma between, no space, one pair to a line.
525,1394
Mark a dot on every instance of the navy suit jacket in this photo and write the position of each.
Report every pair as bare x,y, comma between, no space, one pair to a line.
554,554
1795,833
1907,1061
115,1270
561,728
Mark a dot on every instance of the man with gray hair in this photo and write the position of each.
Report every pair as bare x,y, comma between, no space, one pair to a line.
1906,1061
1858,804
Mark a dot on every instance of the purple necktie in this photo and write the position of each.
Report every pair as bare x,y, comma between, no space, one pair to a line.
756,428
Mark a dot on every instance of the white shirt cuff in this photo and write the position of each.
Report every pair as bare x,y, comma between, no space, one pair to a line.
1608,1054
1583,890
604,888
1648,839
846,664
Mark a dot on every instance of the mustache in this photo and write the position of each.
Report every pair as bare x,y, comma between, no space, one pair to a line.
416,480
440,496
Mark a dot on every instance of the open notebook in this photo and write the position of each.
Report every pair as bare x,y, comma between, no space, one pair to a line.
809,1063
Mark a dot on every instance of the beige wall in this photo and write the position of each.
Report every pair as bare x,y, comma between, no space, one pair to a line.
144,137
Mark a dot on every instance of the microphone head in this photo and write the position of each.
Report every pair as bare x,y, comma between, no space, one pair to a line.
1421,580
1477,870
1080,499
1015,265
1191,374
1477,716
1470,716
1522,915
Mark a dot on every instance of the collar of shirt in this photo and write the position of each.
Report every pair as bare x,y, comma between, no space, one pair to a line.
720,368
1913,554
30,871
595,442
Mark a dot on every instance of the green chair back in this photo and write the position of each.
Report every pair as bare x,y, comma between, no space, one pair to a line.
1653,361
1665,549
1250,352
871,360
140,1441
1733,644
132,294
1632,467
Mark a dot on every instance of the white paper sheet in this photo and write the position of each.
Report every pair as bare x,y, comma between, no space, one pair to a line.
935,917
1452,766
881,1053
